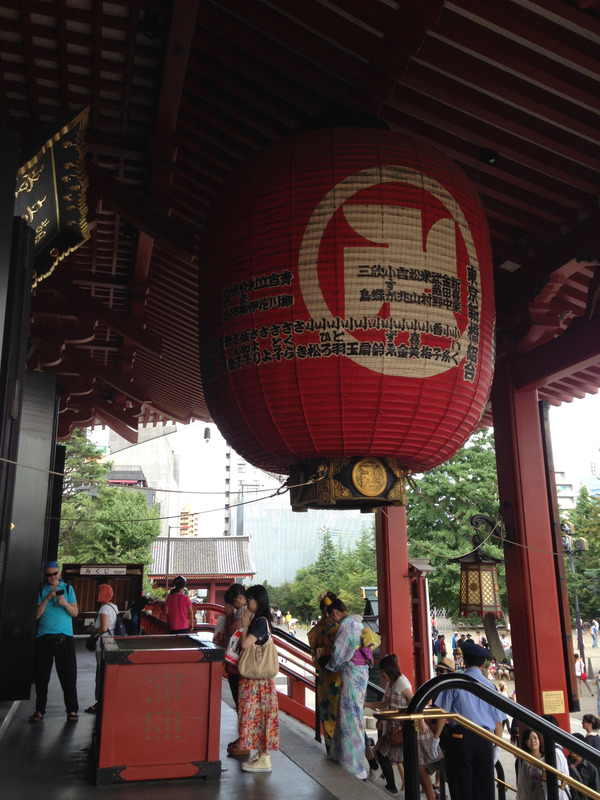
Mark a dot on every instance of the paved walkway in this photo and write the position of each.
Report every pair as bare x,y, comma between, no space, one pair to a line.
52,759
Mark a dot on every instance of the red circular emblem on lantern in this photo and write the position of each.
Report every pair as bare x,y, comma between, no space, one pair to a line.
347,303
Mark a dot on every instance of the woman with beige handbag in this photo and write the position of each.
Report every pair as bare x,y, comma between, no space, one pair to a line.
258,666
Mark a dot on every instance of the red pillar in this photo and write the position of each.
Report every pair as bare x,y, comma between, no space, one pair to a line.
532,569
393,587
212,593
420,620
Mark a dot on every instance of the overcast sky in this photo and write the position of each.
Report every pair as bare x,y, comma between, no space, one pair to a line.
575,431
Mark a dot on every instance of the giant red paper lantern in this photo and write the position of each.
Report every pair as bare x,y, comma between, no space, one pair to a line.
347,308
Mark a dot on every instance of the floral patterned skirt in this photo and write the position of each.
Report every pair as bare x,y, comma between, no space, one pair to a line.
258,715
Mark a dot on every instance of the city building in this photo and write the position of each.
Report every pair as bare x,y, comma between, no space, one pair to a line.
566,491
283,541
151,466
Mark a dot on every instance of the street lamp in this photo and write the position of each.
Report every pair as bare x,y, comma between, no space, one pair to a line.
572,546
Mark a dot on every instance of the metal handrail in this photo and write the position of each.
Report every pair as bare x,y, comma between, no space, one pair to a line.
523,755
552,734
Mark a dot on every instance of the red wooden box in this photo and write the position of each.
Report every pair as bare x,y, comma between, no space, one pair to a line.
159,712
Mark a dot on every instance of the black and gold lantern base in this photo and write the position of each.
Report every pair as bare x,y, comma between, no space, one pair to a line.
363,483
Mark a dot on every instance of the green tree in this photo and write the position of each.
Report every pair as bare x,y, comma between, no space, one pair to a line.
326,565
99,523
341,572
357,568
84,469
584,519
439,510
117,527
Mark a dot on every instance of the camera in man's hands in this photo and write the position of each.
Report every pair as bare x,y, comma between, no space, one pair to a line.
58,592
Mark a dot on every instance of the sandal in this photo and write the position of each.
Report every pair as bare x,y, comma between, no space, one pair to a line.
91,709
37,716
72,716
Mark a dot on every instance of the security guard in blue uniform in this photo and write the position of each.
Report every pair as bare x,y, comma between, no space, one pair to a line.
469,758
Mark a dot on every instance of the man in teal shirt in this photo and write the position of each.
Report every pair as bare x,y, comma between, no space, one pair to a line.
57,606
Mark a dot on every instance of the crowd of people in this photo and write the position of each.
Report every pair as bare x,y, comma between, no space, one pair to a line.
342,649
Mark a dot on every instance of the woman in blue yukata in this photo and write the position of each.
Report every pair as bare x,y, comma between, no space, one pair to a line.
352,658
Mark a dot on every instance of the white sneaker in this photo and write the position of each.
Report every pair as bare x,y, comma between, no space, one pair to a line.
374,775
261,764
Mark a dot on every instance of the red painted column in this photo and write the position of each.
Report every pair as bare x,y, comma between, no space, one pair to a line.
212,593
420,624
393,587
534,596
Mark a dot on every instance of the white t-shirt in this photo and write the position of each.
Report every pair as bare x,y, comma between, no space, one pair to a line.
110,610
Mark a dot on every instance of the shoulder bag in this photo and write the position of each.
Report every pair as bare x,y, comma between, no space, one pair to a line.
395,735
259,661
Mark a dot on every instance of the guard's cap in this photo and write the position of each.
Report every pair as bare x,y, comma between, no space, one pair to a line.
471,648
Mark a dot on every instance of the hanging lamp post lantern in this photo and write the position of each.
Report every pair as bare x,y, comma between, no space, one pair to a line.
347,314
479,587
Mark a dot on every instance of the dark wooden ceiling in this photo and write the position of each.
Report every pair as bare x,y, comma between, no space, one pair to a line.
180,93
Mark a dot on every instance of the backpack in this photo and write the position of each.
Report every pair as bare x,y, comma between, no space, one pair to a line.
120,629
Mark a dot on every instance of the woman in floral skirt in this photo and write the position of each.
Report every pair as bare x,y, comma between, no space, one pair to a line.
257,702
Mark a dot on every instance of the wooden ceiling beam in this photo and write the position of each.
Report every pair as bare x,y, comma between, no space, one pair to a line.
514,90
313,45
468,127
554,396
526,126
293,62
503,192
579,381
79,304
525,24
464,148
576,244
122,421
137,211
88,367
301,97
518,57
570,353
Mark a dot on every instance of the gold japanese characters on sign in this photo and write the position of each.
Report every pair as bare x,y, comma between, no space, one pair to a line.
50,194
